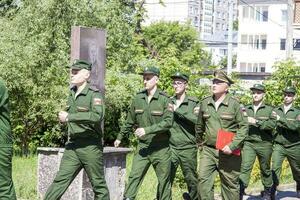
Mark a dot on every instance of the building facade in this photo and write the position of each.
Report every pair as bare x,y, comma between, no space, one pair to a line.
262,35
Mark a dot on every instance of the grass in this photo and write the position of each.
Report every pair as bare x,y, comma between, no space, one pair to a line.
25,179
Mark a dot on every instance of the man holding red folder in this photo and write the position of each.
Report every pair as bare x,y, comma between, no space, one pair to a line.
258,143
218,113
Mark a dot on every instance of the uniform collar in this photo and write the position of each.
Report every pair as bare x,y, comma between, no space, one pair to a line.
292,108
185,100
225,100
155,96
84,91
261,106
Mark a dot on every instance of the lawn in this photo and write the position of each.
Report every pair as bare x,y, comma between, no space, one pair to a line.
25,179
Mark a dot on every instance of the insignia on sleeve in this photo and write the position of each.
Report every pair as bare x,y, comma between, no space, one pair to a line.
97,101
196,110
170,107
298,118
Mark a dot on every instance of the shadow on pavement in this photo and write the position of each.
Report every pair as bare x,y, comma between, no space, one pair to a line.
279,195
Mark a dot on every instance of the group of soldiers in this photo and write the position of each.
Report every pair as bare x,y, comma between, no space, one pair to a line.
169,130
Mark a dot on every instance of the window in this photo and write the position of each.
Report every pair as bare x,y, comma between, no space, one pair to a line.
262,67
263,40
255,67
265,14
245,12
297,44
252,67
243,67
254,41
282,44
249,67
284,15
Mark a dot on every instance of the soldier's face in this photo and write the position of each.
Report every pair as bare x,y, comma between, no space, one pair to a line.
219,87
257,95
78,77
150,81
289,98
179,85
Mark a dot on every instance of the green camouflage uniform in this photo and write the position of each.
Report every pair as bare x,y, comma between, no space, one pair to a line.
7,191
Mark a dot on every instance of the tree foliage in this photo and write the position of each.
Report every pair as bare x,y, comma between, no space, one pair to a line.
35,50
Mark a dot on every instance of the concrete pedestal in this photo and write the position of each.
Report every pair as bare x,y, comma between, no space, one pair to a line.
80,189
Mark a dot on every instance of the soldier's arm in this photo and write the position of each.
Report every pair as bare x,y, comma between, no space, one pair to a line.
94,115
166,122
291,124
242,130
268,124
190,115
200,126
126,129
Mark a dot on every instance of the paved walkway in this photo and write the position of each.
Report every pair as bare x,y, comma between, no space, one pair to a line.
284,192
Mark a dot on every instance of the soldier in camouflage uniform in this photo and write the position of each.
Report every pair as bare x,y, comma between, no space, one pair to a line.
287,139
259,142
220,111
183,138
84,114
150,117
7,190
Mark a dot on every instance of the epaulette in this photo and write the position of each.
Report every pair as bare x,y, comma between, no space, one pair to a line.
92,87
205,98
234,98
248,106
193,99
164,94
141,91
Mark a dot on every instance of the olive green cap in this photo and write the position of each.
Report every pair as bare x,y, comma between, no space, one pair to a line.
181,76
81,64
220,75
150,70
258,87
290,89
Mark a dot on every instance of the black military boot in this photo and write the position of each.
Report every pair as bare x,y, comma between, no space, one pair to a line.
266,194
186,196
242,191
273,192
298,190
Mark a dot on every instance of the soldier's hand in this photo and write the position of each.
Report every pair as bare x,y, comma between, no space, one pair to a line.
277,117
63,116
251,120
227,150
140,132
117,143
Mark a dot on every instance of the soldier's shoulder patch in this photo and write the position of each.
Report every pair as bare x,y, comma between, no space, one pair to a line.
94,88
193,99
97,101
170,107
234,99
141,91
205,98
164,94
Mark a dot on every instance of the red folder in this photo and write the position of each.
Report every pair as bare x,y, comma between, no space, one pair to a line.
224,138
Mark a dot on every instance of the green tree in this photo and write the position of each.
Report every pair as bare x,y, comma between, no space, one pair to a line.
34,53
35,50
